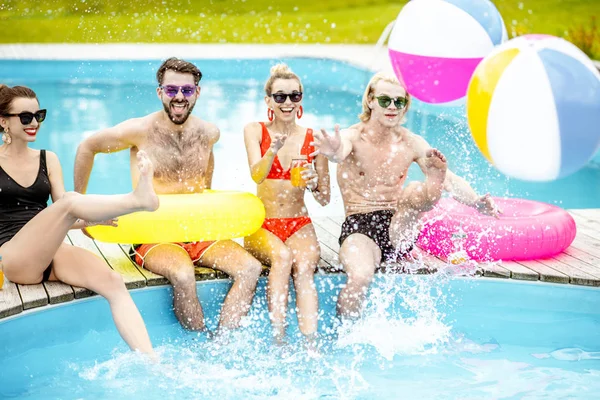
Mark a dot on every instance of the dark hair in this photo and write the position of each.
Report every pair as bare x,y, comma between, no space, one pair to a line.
178,65
8,94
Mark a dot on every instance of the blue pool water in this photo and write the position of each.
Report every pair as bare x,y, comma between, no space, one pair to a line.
421,337
85,96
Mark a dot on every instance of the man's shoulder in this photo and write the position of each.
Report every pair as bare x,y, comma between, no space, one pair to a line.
140,124
207,128
353,132
410,136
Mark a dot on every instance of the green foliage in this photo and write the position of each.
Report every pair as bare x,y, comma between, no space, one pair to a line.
259,21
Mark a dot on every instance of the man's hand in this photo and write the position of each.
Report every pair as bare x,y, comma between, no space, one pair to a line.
485,205
108,222
325,144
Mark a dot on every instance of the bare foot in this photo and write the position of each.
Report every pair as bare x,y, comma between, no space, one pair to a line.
436,168
144,192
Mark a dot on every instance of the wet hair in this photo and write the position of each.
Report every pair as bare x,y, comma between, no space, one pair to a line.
178,65
370,93
9,94
280,71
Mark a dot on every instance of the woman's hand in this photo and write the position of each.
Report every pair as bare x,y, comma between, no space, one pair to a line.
311,178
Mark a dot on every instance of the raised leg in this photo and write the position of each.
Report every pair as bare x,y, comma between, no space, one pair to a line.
417,198
25,264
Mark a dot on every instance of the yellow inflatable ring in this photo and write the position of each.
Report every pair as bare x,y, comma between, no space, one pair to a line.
211,215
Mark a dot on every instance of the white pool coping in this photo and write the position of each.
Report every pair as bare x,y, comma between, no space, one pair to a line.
364,56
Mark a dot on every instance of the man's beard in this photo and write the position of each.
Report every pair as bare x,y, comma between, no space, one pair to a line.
178,120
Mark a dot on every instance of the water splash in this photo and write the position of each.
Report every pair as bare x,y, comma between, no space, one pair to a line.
402,317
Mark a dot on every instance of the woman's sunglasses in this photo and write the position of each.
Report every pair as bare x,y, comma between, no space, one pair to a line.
280,97
385,101
172,90
26,117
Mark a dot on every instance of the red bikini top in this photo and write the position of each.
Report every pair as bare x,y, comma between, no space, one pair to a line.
277,171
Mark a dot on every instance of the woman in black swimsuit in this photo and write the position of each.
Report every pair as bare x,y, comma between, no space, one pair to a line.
32,234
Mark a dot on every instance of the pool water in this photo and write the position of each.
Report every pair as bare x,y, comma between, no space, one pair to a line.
85,96
421,337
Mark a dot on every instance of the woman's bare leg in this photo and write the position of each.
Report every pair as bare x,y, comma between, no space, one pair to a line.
306,253
79,267
270,250
25,257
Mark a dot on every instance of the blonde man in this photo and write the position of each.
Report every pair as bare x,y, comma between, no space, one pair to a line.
381,214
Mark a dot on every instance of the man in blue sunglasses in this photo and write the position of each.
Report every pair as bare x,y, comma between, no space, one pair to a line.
163,134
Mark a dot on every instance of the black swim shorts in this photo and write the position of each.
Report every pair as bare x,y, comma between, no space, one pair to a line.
375,225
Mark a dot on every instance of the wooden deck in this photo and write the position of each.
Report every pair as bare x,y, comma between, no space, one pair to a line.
578,265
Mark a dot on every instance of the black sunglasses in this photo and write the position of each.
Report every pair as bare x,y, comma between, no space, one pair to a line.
385,101
280,97
26,117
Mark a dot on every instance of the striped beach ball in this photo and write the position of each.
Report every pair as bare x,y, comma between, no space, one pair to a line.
436,44
533,107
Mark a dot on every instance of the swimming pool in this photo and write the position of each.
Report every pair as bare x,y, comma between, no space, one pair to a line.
425,337
85,96
422,337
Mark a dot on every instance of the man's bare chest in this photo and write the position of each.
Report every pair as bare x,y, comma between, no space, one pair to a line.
386,165
178,156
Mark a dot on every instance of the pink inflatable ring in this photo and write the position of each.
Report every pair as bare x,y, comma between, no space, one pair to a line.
526,230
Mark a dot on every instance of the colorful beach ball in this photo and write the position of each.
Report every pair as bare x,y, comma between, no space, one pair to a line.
533,107
436,44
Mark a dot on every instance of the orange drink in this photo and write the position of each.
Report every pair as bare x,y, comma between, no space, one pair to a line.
299,164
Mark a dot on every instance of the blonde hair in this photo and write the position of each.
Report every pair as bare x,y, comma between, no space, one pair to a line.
370,92
280,71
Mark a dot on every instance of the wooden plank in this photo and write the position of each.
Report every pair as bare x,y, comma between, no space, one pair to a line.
593,261
329,250
519,271
494,270
116,259
33,295
10,301
205,274
330,226
587,245
152,279
576,276
580,272
592,214
338,219
327,239
58,292
591,225
546,273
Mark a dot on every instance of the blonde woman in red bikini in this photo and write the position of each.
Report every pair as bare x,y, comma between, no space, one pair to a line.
280,163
